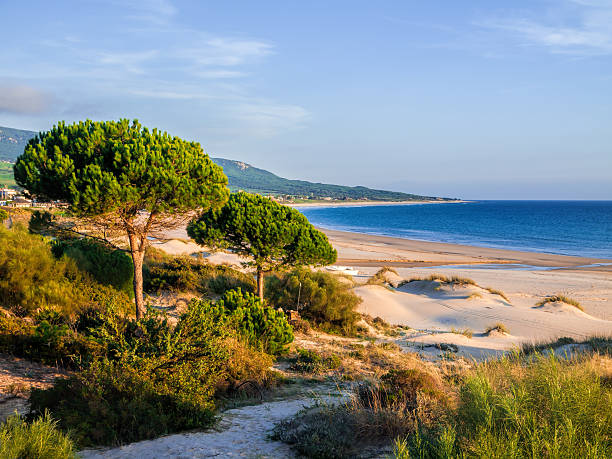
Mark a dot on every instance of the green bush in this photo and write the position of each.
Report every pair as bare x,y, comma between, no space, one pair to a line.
308,361
31,277
158,379
49,343
325,301
537,407
106,265
35,440
184,274
3,215
261,326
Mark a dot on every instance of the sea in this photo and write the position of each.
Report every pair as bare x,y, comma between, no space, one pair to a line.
579,228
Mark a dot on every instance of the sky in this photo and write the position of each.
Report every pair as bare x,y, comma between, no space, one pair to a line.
468,99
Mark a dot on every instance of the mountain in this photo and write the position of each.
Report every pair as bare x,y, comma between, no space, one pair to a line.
242,176
12,142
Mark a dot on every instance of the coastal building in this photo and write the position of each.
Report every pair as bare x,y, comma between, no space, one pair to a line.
7,193
20,201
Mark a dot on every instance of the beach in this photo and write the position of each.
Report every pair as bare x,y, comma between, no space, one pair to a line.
432,311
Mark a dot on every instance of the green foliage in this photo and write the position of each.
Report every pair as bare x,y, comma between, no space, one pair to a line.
31,277
184,274
157,379
100,167
35,440
261,326
309,361
112,172
325,301
105,264
47,342
246,177
272,234
3,215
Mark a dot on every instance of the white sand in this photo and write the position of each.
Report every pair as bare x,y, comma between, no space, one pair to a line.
243,433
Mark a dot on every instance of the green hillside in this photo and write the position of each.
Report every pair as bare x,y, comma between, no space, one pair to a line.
12,142
241,176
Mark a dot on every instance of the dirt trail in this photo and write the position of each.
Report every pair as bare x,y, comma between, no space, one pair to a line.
243,432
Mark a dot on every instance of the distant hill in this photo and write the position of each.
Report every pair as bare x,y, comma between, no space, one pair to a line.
241,176
12,142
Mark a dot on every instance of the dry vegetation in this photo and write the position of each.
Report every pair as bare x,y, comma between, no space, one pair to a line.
561,299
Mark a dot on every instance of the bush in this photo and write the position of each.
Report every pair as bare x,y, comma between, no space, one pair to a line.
324,301
308,361
183,274
262,327
156,380
31,277
538,407
106,265
49,343
38,439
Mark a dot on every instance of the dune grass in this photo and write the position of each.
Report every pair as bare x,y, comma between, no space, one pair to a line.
467,332
494,291
379,278
516,407
38,439
455,280
560,299
474,296
497,327
599,344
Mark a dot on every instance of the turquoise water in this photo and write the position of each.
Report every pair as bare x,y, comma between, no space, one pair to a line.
581,228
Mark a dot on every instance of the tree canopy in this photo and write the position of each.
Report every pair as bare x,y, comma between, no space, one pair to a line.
271,234
121,176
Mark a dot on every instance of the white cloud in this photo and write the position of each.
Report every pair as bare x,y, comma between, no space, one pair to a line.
585,28
22,99
267,119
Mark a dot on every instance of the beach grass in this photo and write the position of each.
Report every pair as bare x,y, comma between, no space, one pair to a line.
560,299
497,327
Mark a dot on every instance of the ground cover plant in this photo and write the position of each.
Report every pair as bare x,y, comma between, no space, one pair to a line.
321,298
560,299
186,274
38,439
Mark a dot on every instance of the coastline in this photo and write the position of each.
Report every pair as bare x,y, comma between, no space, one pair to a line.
369,203
371,250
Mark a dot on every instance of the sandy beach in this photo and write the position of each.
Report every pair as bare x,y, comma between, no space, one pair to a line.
434,310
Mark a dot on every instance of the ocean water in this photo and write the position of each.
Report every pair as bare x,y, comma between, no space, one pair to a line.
580,228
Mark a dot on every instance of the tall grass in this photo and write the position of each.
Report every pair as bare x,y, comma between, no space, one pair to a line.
560,299
38,439
539,407
455,280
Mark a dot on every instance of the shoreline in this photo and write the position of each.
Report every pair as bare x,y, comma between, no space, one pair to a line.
369,203
373,250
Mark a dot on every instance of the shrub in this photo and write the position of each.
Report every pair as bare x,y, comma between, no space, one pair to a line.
37,439
498,327
560,299
31,277
308,361
360,427
261,326
183,274
157,379
324,301
3,215
48,343
106,265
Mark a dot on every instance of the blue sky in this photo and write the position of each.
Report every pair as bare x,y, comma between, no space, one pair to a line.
473,99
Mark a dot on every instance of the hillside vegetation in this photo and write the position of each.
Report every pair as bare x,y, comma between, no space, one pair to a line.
241,176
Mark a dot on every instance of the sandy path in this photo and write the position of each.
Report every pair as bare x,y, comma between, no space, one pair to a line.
243,432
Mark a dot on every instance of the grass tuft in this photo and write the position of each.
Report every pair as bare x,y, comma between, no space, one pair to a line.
498,327
498,293
468,332
561,299
454,280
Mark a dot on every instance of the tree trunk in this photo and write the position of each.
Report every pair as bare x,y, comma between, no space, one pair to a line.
137,250
260,284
